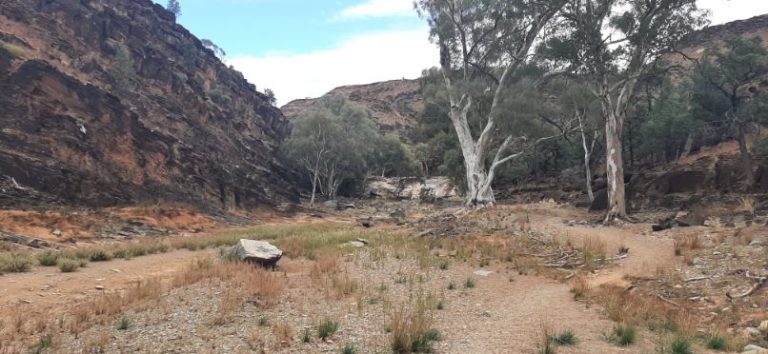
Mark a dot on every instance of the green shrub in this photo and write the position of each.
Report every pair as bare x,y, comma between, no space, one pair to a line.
123,324
326,329
680,345
469,283
48,258
68,265
100,255
717,342
623,335
349,349
566,337
16,263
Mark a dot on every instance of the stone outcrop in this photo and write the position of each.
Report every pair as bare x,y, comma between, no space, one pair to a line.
108,102
258,252
395,105
411,188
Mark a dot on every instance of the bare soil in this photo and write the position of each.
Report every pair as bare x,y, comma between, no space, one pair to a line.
507,311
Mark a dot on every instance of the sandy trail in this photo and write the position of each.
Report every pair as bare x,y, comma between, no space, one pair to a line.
499,316
47,286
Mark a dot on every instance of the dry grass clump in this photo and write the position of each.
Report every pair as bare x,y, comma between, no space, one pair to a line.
284,333
580,287
411,328
594,252
327,262
747,205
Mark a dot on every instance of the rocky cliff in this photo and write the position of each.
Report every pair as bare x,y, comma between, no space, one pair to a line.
108,102
394,105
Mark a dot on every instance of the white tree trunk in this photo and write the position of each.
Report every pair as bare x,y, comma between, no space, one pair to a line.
617,206
587,158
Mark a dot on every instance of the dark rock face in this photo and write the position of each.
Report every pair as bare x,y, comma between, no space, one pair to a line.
108,102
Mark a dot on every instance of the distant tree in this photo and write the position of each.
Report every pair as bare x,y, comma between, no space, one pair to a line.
391,157
270,96
614,44
665,126
726,94
218,51
332,142
174,6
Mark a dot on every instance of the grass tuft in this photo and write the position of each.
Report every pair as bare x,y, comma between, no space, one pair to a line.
566,337
623,335
327,329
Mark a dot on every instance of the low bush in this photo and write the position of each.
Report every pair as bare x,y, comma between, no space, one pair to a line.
68,265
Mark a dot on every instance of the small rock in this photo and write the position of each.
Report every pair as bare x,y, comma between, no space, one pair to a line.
483,273
99,287
757,243
763,326
751,332
356,244
754,349
56,232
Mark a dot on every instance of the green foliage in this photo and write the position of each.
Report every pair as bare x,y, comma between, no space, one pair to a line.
42,345
680,345
306,337
68,265
271,99
123,324
123,68
717,342
218,51
723,87
326,329
337,141
623,335
174,6
469,283
566,337
349,349
665,127
15,263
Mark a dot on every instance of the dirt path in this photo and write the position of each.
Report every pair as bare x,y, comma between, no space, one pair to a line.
648,254
48,286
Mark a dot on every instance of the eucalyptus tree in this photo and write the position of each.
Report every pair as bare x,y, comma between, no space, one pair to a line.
486,43
726,94
333,141
614,44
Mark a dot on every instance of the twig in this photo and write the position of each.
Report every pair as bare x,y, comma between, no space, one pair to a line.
698,278
662,298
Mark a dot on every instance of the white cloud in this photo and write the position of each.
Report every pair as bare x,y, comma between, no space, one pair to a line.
379,8
362,59
723,11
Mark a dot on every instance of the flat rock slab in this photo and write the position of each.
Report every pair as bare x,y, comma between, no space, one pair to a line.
483,273
259,252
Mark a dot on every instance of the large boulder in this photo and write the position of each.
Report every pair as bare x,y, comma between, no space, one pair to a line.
259,252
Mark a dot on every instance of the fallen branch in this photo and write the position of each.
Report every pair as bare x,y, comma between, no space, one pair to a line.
662,298
698,278
759,283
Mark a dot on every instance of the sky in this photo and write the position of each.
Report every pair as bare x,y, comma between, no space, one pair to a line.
305,48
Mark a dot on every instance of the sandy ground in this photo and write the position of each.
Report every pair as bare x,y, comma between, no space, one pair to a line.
504,313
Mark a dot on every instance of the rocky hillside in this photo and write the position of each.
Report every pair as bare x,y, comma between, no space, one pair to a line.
394,105
109,102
